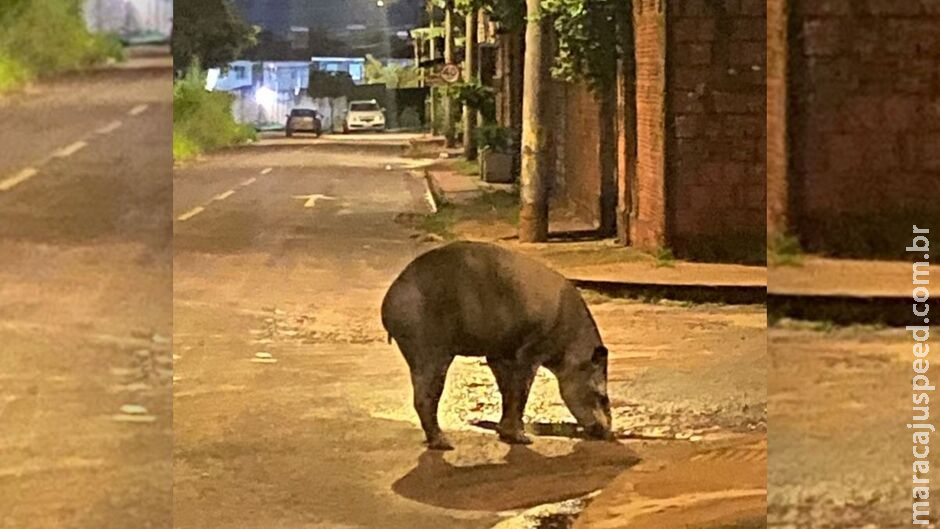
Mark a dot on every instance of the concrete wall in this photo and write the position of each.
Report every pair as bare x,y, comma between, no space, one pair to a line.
130,18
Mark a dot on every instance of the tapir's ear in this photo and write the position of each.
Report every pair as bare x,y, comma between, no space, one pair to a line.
600,354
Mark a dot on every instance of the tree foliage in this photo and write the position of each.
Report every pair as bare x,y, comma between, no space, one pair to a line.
391,75
208,32
330,84
587,32
588,38
44,37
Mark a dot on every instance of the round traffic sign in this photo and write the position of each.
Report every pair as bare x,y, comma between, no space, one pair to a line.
450,73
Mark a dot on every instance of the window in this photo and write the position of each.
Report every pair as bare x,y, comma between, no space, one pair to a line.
363,107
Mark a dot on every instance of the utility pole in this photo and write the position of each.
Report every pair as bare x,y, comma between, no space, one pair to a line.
433,55
534,177
449,132
470,74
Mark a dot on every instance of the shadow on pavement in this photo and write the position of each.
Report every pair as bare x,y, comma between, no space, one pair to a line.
525,479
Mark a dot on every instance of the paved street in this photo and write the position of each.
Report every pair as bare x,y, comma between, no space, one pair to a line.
839,403
291,409
85,302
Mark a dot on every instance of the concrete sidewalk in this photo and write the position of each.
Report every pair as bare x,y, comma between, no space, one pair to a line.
842,277
602,264
842,291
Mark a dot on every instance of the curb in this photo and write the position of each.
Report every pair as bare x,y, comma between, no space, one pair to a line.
842,309
433,191
693,293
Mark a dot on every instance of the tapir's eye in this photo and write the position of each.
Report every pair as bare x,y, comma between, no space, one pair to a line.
600,355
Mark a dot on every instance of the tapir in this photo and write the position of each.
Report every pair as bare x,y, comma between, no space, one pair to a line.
477,299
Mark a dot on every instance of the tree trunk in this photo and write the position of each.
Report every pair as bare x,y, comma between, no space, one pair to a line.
607,151
626,126
536,166
449,129
470,74
432,91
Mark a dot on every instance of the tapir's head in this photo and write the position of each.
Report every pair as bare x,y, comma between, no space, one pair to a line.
583,386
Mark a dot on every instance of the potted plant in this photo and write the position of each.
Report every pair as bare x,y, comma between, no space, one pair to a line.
495,154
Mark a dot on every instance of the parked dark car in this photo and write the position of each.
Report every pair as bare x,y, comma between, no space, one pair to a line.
303,120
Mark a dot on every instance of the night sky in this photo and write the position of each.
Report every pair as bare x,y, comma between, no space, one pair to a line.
332,16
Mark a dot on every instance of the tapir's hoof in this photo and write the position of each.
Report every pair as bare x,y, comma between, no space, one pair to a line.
515,438
439,443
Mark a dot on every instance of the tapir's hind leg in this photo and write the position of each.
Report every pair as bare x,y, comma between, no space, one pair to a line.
428,373
514,381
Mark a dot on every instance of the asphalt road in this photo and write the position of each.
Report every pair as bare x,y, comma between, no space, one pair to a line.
291,410
839,406
85,301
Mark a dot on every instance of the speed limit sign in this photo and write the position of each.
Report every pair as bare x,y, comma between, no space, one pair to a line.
450,73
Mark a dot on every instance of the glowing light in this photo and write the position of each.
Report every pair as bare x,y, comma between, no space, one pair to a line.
266,97
212,78
380,3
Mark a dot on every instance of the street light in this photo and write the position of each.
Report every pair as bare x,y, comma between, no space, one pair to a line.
380,3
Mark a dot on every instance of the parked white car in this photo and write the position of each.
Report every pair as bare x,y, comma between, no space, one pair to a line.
364,115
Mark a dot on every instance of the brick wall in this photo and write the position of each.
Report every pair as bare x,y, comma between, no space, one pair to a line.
716,128
648,215
581,138
864,122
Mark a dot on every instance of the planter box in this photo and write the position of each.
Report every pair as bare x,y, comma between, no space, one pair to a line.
496,167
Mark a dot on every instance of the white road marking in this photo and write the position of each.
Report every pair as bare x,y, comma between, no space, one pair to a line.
70,150
138,110
266,171
191,213
18,178
248,182
110,127
311,200
225,195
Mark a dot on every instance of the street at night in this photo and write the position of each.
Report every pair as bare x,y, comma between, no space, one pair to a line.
291,409
85,300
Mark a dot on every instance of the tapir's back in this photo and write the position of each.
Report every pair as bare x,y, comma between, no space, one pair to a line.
474,296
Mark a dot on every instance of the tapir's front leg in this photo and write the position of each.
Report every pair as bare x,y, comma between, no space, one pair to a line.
514,380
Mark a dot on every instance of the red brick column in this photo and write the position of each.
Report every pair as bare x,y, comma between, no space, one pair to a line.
648,222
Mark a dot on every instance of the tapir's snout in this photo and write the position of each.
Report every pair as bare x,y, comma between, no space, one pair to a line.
599,431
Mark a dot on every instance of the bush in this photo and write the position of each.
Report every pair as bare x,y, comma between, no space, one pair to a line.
409,119
45,37
184,148
203,120
493,137
12,73
476,96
